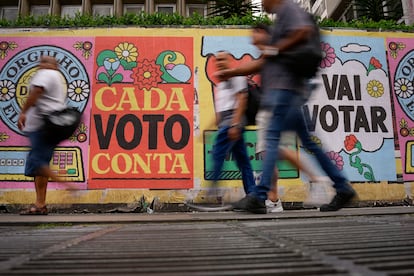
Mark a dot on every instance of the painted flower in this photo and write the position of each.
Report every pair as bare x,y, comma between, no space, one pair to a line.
328,54
6,46
373,64
78,90
403,88
147,74
337,159
85,47
375,88
350,142
126,51
393,46
7,90
111,64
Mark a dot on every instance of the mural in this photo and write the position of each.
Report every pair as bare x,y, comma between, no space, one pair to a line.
18,60
350,106
350,109
401,63
147,102
142,113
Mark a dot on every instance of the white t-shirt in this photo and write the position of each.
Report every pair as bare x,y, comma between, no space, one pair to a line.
225,98
52,99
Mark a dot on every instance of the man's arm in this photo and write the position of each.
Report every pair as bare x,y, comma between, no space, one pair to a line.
34,95
245,69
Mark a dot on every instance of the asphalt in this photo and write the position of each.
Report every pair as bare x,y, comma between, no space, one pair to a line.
116,218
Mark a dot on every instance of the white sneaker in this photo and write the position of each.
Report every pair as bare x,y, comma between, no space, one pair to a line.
273,207
319,193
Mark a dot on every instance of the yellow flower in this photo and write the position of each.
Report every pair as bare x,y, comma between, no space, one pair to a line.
375,88
126,51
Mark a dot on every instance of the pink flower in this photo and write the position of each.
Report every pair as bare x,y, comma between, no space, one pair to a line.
336,159
328,55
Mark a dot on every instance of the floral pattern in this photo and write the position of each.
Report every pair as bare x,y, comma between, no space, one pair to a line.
127,51
373,65
403,88
354,147
336,159
85,47
405,130
147,74
7,90
80,134
394,47
375,88
4,136
328,54
5,47
78,90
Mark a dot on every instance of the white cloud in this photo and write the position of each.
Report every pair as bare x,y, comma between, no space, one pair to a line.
355,48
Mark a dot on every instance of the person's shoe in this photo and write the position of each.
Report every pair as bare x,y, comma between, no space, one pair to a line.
273,207
339,201
256,206
35,211
251,204
241,205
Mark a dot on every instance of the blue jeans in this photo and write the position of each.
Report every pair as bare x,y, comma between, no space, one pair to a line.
223,146
288,115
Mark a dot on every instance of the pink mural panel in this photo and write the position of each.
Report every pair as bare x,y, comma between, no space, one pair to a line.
401,63
19,57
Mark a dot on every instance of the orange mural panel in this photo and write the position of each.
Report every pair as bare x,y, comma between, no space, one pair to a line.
142,113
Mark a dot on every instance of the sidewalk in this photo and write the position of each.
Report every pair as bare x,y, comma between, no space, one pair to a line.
117,218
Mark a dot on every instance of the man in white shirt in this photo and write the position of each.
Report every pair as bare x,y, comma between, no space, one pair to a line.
230,104
47,94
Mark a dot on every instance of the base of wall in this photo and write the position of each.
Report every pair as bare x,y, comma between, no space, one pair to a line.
149,207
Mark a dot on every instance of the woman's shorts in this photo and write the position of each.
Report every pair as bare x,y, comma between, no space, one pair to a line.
39,155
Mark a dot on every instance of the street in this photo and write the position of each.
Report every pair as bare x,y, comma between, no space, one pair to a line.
353,241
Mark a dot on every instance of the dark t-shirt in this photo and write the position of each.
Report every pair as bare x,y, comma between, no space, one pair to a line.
290,17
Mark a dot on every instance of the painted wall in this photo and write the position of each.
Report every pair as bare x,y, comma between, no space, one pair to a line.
147,102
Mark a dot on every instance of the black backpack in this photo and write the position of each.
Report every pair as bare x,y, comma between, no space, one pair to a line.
304,60
253,101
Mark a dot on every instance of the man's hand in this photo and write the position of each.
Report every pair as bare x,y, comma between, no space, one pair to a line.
22,121
234,133
224,74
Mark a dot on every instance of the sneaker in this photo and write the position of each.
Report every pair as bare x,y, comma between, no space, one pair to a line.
251,204
273,207
339,201
319,192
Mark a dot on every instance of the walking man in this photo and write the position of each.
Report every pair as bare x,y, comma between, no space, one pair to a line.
284,96
230,104
46,94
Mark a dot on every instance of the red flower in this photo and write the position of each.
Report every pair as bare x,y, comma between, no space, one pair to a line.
375,62
350,142
147,74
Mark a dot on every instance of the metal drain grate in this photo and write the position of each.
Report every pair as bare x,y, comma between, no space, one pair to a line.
323,246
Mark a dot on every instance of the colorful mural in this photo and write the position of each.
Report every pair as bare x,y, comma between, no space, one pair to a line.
401,63
147,101
142,113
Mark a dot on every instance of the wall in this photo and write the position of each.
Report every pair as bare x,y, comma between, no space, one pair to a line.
147,99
